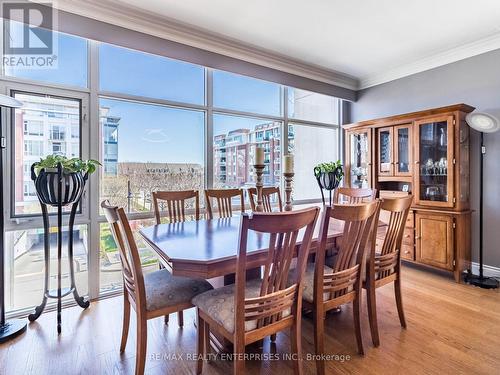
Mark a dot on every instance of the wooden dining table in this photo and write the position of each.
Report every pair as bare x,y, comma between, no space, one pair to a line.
209,248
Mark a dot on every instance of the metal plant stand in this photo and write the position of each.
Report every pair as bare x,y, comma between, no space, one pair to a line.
58,189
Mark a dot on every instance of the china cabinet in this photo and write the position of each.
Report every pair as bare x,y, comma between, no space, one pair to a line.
425,154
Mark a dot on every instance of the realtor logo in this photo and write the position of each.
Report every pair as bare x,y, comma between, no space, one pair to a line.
28,37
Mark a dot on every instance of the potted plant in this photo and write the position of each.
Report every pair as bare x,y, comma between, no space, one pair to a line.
57,170
329,175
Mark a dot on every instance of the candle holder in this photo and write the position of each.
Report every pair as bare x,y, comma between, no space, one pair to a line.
288,190
259,171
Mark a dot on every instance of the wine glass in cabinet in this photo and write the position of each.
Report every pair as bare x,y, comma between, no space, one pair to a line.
435,162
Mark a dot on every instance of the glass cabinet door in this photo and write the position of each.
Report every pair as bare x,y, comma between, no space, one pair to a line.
359,159
385,163
435,162
402,150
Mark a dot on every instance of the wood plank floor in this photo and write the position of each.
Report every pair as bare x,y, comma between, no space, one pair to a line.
452,329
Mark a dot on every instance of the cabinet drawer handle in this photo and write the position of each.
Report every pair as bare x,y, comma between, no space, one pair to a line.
407,251
417,237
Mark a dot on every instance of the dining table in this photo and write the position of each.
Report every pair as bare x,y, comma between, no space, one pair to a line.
208,248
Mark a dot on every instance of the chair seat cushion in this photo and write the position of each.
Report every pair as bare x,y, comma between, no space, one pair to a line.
165,290
218,304
308,292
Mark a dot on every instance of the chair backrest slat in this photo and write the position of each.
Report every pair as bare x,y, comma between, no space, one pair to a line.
267,197
133,279
399,209
353,195
176,204
275,296
223,198
359,227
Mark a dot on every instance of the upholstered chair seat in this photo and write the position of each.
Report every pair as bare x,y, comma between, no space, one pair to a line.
163,289
219,304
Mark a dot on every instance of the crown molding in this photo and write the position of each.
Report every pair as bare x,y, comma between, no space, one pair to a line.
133,18
464,51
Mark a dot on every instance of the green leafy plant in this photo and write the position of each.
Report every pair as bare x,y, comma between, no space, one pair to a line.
72,165
328,168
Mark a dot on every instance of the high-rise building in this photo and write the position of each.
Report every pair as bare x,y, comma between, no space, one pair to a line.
234,155
109,126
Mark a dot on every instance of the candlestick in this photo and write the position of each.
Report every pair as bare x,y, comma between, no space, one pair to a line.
288,164
288,190
259,156
259,171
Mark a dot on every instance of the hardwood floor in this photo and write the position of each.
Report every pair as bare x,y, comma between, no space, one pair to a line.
452,328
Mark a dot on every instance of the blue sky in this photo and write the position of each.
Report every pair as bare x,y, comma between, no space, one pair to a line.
151,132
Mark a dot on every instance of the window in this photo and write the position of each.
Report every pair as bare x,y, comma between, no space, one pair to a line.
57,132
25,267
310,145
71,67
75,131
33,127
234,142
245,94
35,117
143,74
33,148
310,106
151,136
149,147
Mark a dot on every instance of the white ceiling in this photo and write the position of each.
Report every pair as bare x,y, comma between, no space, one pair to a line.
366,39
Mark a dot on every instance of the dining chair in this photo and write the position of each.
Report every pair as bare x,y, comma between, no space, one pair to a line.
248,311
327,288
152,295
175,202
267,196
384,267
353,195
344,195
224,199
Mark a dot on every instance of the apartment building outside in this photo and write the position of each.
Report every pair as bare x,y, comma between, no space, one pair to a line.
44,126
234,155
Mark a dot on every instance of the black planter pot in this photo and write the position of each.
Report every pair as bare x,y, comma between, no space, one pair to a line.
47,185
328,181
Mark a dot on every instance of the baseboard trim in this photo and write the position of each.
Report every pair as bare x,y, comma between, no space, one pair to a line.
489,271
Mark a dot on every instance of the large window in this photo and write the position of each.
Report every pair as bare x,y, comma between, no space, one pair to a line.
155,124
140,74
149,147
310,145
